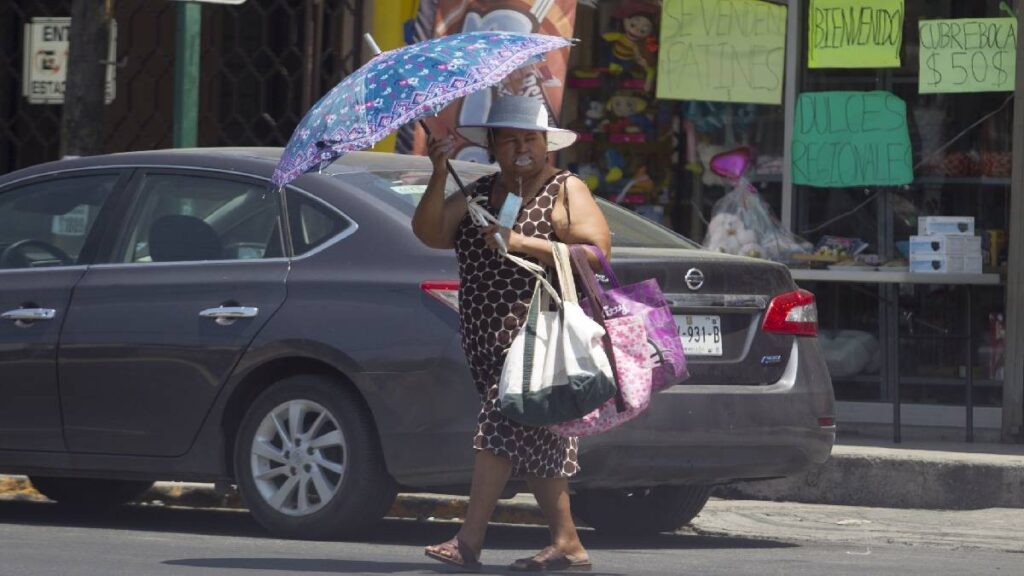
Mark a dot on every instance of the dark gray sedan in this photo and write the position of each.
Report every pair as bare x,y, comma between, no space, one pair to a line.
168,316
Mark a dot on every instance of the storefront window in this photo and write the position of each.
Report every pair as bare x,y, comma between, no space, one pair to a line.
952,156
961,157
652,155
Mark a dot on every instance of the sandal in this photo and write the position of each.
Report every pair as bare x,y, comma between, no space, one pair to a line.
456,553
551,559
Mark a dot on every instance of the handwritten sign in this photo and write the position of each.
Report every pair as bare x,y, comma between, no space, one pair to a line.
722,50
854,33
968,55
851,139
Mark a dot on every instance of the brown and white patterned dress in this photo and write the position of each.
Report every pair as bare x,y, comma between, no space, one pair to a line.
494,296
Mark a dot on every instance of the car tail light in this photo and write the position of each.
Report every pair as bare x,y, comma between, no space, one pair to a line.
447,291
792,313
827,421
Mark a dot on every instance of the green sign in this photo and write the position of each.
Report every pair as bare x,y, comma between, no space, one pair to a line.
843,139
854,33
968,55
722,50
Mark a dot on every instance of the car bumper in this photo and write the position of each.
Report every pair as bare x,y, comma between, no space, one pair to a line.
717,434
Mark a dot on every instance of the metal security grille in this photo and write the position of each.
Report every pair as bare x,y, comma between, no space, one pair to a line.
29,134
273,59
263,63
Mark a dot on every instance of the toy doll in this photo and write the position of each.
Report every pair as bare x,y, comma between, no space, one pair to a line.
628,119
635,45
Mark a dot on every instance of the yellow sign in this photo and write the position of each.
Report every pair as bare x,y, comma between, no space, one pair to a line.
854,33
968,55
722,50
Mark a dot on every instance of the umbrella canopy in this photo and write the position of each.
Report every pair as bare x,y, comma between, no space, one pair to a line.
403,85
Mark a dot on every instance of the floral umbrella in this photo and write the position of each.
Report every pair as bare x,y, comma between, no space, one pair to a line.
403,85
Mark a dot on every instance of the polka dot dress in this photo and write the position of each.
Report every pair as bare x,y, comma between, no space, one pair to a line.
493,300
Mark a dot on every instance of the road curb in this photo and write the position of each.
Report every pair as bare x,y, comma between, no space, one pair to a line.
898,478
194,495
883,477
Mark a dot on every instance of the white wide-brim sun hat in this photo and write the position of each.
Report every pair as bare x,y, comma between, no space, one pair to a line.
522,113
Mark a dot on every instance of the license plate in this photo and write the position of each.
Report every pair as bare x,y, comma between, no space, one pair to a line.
701,335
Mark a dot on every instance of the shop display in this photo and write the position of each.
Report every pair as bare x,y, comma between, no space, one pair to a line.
626,146
742,222
876,162
955,253
833,250
631,50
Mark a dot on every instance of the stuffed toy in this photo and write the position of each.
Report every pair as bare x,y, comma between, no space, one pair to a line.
615,166
594,116
633,49
590,173
628,115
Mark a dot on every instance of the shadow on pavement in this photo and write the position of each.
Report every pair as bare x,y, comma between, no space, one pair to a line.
224,522
332,565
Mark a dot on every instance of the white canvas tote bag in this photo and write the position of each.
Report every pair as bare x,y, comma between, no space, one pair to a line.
556,369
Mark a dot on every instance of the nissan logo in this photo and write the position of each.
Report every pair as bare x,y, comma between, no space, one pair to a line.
694,279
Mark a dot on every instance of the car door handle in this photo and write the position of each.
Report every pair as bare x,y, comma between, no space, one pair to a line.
228,314
29,314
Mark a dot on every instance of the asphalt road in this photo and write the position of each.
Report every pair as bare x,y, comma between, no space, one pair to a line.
36,538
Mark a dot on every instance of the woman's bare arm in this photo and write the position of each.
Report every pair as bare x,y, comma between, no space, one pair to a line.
437,218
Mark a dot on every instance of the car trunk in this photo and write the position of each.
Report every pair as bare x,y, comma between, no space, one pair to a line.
733,298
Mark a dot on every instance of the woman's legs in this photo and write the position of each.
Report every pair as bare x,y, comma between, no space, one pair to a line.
490,474
552,496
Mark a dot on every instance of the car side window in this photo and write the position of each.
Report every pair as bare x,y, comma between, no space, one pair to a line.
184,218
312,223
46,223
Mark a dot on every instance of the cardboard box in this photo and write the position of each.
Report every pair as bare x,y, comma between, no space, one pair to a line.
945,245
956,225
945,264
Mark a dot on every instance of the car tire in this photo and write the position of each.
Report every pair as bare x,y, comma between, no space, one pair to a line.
89,494
330,481
640,511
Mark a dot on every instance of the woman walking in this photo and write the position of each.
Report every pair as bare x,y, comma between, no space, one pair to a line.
493,298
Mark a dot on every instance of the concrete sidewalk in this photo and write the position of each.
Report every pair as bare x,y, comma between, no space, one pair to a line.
932,476
954,476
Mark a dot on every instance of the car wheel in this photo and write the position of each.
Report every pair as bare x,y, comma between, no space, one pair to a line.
89,494
640,511
308,463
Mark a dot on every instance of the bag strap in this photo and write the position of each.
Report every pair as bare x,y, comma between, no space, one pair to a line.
593,290
563,267
538,273
605,265
595,295
530,334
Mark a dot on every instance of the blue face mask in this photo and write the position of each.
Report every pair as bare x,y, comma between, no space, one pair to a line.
509,212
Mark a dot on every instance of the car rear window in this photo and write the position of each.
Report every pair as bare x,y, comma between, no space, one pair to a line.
405,188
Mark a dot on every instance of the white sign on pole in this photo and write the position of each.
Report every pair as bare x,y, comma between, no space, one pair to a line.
45,64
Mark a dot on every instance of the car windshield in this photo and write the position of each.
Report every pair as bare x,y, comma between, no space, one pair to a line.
405,188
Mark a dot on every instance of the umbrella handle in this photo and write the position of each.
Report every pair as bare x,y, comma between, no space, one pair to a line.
462,187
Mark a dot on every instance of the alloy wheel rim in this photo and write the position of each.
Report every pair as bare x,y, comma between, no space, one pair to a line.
298,457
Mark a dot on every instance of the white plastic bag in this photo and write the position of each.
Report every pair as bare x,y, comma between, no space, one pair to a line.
742,223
